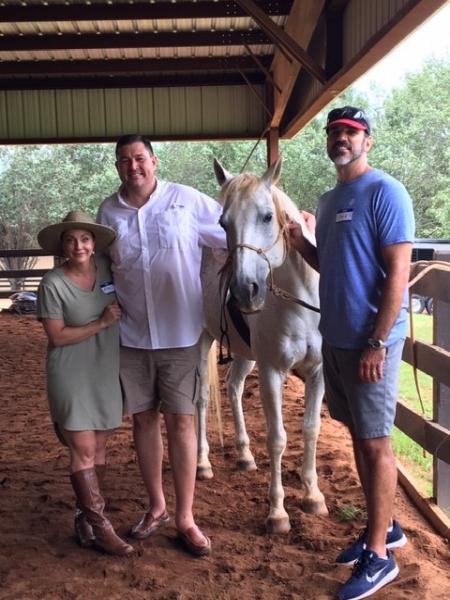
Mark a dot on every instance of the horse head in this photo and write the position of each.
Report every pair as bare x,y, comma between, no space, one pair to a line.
256,236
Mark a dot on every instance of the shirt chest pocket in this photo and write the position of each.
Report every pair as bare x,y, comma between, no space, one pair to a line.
174,228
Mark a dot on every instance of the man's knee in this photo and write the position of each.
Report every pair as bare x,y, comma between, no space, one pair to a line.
375,449
145,420
180,424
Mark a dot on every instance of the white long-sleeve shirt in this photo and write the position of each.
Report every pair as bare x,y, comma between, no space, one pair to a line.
156,263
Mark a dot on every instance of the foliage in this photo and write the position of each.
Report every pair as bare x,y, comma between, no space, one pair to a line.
40,184
413,144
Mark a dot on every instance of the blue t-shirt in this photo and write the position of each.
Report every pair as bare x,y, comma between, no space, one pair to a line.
354,221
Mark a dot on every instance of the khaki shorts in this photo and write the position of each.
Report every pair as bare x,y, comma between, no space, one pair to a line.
166,380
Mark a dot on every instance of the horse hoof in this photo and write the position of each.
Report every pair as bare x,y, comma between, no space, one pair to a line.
314,507
204,473
281,525
246,465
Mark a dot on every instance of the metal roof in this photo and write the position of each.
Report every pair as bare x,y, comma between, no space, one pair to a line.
185,69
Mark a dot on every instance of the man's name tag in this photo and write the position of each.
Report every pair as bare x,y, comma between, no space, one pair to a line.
107,287
344,215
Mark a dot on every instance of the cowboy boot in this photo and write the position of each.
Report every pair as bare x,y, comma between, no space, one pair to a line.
91,503
83,530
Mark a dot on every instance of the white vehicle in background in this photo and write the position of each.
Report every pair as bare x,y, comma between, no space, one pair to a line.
424,249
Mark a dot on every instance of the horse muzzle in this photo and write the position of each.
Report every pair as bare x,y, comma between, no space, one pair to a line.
249,297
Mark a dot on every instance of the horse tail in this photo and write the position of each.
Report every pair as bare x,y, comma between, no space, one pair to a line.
215,399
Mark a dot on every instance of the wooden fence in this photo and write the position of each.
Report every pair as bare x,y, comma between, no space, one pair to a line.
433,435
30,277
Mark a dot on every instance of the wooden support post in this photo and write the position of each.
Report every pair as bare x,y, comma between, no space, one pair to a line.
273,149
441,395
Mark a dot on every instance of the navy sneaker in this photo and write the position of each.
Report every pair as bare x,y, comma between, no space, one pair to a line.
370,573
395,538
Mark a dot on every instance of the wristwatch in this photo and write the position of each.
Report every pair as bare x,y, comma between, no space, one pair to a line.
376,344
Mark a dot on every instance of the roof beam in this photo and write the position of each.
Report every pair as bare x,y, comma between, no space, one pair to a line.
138,10
280,38
14,43
300,26
145,65
136,81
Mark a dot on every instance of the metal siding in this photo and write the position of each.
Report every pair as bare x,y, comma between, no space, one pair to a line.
32,115
64,113
194,109
362,20
129,110
159,112
113,111
97,113
4,132
81,112
14,111
145,110
47,114
161,97
178,108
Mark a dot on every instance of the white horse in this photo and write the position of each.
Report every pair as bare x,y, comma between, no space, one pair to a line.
283,333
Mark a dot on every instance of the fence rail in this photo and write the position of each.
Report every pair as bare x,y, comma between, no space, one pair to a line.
30,278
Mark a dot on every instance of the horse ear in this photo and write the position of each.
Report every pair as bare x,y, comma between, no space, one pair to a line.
272,175
222,174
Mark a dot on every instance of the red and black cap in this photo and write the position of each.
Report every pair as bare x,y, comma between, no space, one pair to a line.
348,115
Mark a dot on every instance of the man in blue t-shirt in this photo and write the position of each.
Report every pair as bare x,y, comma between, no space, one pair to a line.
364,232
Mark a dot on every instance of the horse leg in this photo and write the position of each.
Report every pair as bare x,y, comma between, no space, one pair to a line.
204,468
240,368
271,382
313,500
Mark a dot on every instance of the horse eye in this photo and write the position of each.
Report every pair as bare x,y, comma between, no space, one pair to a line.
267,218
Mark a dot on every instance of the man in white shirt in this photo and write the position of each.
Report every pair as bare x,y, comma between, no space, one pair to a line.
161,229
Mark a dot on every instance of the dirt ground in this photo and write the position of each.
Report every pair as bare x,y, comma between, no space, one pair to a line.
40,559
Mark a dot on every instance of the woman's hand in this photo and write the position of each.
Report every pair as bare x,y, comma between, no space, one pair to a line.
60,334
111,314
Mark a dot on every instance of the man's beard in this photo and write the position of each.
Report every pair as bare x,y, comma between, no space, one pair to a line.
340,160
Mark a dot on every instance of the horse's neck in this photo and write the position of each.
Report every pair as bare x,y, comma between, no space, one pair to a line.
295,275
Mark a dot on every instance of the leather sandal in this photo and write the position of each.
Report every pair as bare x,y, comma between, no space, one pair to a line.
148,525
194,548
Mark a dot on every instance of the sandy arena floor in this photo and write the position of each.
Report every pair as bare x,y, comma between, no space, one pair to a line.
40,559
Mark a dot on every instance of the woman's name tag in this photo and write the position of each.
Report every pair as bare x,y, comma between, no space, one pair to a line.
107,287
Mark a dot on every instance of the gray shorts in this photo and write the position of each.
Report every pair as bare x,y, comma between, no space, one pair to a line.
368,409
166,380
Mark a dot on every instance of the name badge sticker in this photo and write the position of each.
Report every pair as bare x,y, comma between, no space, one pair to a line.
345,214
107,287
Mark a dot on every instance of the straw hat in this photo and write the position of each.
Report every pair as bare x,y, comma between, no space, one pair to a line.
49,238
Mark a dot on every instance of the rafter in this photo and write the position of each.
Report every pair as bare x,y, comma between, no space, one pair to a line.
136,81
300,25
145,65
280,38
137,10
142,40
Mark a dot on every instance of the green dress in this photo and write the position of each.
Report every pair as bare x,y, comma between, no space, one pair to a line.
82,379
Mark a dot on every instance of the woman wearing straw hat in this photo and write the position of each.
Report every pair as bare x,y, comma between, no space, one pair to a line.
78,309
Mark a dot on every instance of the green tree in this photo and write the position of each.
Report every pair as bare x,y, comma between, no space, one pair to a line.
40,184
412,144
